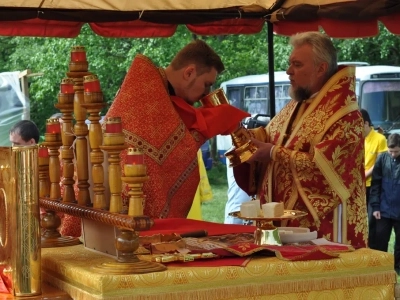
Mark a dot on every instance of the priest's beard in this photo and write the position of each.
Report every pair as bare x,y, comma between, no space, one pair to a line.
300,94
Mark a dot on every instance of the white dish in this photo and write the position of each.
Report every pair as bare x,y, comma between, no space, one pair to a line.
290,235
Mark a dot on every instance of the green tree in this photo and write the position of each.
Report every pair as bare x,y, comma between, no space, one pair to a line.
8,47
110,58
379,50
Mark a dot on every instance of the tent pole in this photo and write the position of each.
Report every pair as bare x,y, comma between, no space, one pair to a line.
271,68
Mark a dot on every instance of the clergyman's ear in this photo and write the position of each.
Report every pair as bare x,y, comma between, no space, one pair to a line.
322,69
189,71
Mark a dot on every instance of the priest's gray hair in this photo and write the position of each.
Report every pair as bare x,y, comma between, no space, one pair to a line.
322,46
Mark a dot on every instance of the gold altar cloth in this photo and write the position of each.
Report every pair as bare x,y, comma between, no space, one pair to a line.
362,274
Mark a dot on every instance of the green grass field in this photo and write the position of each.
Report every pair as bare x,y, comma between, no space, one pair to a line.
214,210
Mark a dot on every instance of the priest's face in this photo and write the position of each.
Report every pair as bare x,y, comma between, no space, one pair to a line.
198,85
306,77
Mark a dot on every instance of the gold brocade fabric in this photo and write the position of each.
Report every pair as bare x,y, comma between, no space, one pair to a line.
151,124
362,274
318,162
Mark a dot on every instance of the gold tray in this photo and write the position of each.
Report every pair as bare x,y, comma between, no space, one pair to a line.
287,215
266,233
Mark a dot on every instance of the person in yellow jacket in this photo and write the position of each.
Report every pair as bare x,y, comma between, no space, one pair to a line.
203,192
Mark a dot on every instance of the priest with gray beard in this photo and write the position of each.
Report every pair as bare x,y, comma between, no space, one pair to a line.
310,156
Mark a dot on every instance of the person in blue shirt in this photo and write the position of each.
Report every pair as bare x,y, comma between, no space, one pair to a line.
385,197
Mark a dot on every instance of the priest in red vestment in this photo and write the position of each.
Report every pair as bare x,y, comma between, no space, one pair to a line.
310,156
158,117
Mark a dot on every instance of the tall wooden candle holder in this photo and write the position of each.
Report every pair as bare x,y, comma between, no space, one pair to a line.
66,106
135,175
113,144
78,69
126,241
86,98
93,103
50,221
44,181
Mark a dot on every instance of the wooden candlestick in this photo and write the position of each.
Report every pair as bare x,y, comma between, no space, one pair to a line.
114,168
96,155
44,181
53,143
50,221
135,176
67,153
81,131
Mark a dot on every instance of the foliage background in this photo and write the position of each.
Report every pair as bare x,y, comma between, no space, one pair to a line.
110,58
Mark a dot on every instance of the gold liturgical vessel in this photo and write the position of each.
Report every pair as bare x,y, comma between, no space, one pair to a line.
242,148
20,250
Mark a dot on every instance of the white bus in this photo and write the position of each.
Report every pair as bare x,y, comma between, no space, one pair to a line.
377,90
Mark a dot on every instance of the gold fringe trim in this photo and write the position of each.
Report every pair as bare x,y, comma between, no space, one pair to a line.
233,289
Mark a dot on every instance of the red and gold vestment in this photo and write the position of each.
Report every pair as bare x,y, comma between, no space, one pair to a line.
317,163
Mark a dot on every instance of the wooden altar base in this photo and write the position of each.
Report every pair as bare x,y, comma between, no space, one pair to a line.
362,274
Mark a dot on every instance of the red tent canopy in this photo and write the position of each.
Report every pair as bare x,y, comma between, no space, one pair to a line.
154,18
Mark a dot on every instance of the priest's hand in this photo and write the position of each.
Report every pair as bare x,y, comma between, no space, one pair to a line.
263,152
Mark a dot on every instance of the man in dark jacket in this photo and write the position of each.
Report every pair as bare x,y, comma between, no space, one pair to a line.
385,197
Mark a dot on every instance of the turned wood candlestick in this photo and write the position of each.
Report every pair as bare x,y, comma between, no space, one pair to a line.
96,155
114,169
67,153
50,221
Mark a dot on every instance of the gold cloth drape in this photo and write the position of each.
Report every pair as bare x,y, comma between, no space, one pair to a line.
362,274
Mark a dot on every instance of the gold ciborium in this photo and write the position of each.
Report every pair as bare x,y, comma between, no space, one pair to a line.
242,148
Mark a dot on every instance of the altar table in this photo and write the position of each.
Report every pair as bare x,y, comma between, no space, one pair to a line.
362,274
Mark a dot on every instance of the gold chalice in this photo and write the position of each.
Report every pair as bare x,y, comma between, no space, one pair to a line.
242,148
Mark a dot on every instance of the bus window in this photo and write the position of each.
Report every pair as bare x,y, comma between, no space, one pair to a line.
281,96
262,92
382,101
357,88
250,92
286,91
234,97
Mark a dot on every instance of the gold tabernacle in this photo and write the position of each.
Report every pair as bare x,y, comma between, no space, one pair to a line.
20,205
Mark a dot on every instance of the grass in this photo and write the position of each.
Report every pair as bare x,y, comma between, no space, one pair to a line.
213,211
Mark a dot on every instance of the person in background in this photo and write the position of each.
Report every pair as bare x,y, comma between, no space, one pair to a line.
384,198
159,117
375,144
310,156
24,133
236,196
203,192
